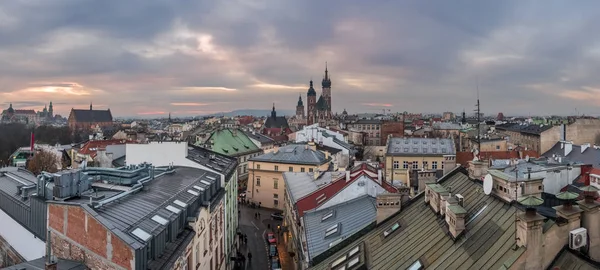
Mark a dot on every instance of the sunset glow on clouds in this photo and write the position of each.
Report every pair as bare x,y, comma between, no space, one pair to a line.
152,58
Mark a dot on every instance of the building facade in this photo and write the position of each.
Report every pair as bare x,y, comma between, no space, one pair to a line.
88,119
319,111
266,185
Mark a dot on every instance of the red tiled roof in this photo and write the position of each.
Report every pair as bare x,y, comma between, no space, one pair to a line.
91,147
24,112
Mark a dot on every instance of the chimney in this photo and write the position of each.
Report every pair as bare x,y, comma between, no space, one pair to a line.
568,148
312,146
477,169
326,155
51,262
589,219
584,147
379,176
347,176
387,205
530,235
455,217
316,174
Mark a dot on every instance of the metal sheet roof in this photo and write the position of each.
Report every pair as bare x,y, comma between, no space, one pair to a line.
420,147
294,154
301,184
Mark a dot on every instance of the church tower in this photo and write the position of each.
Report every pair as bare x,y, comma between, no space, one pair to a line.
326,84
311,99
300,108
50,110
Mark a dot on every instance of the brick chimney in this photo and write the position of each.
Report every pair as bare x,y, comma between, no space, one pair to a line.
312,146
51,262
455,217
529,233
568,211
590,219
478,169
387,205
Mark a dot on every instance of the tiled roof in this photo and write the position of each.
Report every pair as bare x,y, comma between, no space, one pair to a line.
423,237
91,147
349,217
420,147
24,112
277,122
294,154
589,156
232,142
301,184
92,116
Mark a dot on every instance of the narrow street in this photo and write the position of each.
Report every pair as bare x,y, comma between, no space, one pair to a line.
256,230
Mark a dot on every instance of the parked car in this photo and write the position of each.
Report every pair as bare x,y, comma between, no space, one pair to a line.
277,216
271,238
273,250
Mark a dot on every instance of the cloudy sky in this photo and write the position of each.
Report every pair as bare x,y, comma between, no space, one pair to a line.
190,57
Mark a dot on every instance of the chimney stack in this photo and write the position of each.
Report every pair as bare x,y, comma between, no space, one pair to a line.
51,263
380,176
387,205
347,176
584,147
529,231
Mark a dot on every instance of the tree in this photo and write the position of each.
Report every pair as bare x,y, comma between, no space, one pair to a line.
43,161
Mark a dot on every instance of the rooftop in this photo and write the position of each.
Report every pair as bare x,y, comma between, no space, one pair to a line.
92,116
327,227
487,244
91,147
213,160
590,155
259,137
294,154
40,264
231,142
524,128
420,147
301,184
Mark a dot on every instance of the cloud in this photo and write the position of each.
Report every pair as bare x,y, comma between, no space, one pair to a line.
149,57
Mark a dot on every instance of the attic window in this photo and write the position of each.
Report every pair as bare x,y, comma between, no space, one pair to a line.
353,251
416,150
442,142
339,261
198,188
225,150
193,192
432,142
424,142
235,148
331,230
406,142
434,150
444,150
180,203
327,216
211,178
337,241
141,234
353,262
424,150
416,142
160,220
205,182
406,149
391,230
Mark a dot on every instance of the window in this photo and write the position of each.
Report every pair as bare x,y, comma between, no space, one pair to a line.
258,166
331,230
310,169
443,150
276,168
416,150
416,142
244,168
391,229
416,266
497,147
406,149
258,181
415,165
442,165
275,183
434,165
434,150
396,164
291,169
302,169
275,196
276,202
425,165
327,216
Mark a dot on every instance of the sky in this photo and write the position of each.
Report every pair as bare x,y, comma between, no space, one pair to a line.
147,58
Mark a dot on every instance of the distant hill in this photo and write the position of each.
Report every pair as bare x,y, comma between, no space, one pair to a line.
253,112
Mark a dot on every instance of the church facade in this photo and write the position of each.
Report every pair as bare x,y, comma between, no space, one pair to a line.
317,110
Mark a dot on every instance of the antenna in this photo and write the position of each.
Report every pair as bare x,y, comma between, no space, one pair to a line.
488,183
478,120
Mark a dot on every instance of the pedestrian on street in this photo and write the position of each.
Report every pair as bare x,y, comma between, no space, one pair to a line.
246,239
259,215
255,215
249,257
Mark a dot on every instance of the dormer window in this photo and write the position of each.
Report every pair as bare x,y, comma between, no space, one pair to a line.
434,150
392,229
443,150
332,230
327,216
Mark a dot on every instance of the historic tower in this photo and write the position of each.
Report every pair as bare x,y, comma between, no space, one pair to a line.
51,110
311,99
300,108
326,84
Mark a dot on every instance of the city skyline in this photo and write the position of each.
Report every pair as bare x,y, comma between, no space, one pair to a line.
152,58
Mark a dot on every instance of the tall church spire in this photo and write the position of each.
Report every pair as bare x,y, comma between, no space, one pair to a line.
90,106
273,113
326,83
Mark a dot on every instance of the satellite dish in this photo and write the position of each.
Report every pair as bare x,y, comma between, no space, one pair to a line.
488,183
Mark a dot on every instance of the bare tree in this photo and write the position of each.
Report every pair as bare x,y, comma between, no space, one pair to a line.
43,161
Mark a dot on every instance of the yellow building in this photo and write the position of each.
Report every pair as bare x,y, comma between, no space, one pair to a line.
489,145
407,155
266,185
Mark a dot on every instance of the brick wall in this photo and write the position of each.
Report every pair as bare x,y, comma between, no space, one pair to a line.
76,235
8,255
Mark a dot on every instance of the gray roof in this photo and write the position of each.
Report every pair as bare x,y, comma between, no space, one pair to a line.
350,217
300,184
11,178
420,147
524,128
447,125
213,160
486,244
294,154
507,171
342,143
92,116
568,259
259,137
589,156
40,264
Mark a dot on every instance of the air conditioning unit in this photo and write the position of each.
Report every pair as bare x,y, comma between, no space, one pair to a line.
577,238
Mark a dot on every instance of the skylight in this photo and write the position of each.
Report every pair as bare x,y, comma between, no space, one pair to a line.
180,203
205,182
326,216
173,209
160,220
332,230
391,230
211,178
339,261
337,241
141,234
416,266
353,251
353,262
198,188
193,192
